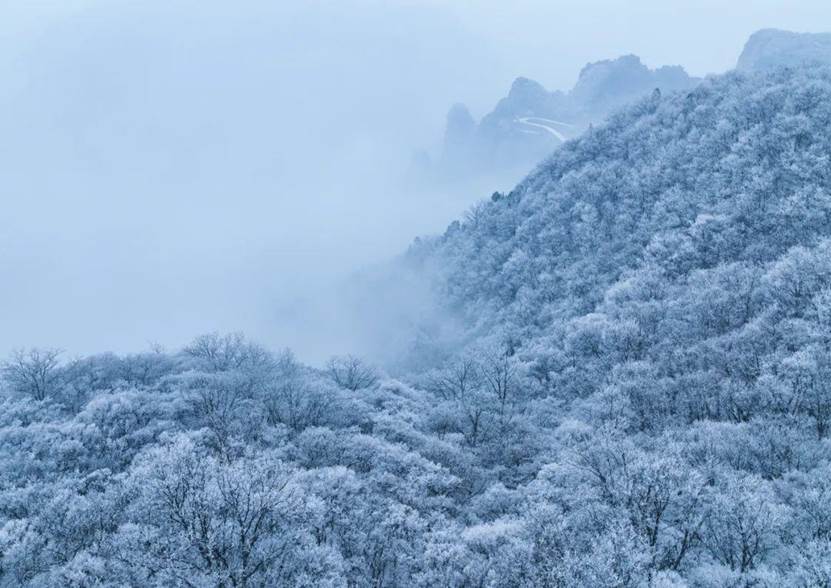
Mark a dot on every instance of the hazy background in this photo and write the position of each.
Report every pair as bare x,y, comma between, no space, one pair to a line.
171,167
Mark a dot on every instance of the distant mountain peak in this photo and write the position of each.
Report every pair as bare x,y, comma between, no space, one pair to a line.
458,134
531,121
605,85
526,96
769,48
525,87
622,62
459,117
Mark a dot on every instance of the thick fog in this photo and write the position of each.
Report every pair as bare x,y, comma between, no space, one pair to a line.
169,168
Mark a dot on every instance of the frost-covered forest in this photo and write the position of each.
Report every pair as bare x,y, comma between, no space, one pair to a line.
636,392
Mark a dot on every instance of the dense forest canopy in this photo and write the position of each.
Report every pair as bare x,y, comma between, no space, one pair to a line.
639,394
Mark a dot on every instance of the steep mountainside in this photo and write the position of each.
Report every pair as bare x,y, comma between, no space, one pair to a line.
770,48
734,171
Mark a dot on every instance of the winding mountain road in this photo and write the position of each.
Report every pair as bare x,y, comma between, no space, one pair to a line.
546,124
